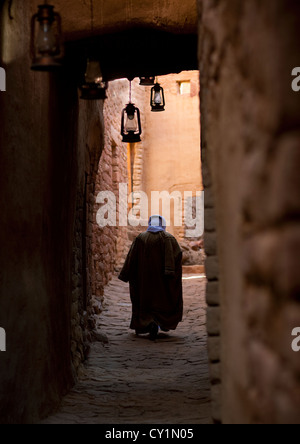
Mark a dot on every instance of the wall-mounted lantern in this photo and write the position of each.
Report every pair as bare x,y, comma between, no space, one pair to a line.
147,81
94,88
46,39
131,127
157,100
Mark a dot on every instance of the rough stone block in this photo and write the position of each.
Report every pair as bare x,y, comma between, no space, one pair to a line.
285,200
206,175
77,359
214,348
258,307
74,310
286,266
213,321
216,400
73,347
76,294
265,200
212,268
265,372
77,334
212,294
209,201
258,256
76,281
272,258
210,242
210,220
215,370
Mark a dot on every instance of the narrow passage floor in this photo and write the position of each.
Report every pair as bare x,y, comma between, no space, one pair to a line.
132,380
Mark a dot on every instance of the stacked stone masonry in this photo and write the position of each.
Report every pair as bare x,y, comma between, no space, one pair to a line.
89,148
212,291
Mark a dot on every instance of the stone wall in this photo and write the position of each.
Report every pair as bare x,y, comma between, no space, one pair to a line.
50,148
250,124
112,170
37,196
90,142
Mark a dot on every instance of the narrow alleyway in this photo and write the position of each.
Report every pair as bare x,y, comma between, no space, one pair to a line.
132,380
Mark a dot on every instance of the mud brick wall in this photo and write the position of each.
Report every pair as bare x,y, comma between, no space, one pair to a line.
112,170
251,146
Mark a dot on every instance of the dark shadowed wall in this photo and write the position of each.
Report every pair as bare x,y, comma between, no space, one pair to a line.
42,157
251,146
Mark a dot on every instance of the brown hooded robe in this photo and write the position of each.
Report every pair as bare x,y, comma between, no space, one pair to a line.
154,270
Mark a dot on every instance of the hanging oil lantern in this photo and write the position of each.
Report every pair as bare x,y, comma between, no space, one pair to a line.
157,100
94,87
46,39
131,127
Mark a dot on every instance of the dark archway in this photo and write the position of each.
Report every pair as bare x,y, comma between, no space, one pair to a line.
135,52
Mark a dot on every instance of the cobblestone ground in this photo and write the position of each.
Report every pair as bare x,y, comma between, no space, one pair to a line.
132,380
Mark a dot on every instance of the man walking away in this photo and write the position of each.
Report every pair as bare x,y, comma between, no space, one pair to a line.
154,270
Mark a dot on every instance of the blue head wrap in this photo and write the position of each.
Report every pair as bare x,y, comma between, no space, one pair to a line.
157,224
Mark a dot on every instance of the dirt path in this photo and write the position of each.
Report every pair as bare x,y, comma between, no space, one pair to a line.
132,380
